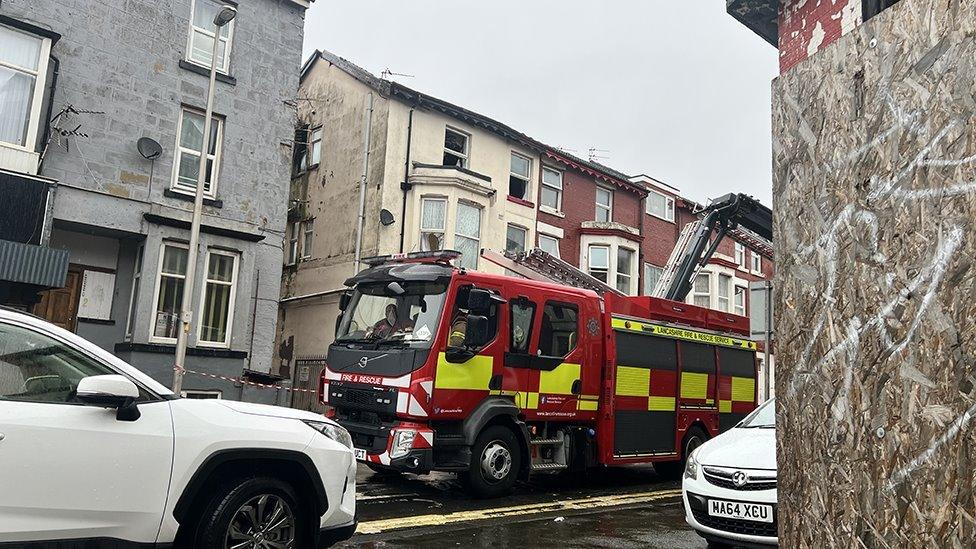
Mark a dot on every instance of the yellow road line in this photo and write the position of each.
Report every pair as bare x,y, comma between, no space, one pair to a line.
421,521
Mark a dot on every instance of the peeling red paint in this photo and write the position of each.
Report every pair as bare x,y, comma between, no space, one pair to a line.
807,26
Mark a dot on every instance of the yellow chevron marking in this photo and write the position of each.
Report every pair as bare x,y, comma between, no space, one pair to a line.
473,374
694,385
660,404
633,381
559,381
743,389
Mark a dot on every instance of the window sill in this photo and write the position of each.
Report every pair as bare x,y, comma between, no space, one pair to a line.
102,321
205,71
520,201
185,196
550,211
169,349
666,220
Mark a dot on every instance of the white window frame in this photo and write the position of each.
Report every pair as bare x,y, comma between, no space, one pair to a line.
228,42
724,303
589,260
442,230
736,308
308,238
668,206
314,147
606,207
153,338
37,99
294,245
628,276
134,292
525,235
553,239
558,190
526,178
467,145
457,232
695,293
230,301
649,289
175,185
756,263
740,255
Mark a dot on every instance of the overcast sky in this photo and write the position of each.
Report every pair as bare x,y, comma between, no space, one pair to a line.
675,89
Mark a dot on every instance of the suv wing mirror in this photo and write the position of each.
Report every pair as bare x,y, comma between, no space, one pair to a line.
110,391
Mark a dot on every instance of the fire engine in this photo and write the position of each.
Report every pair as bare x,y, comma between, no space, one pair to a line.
436,368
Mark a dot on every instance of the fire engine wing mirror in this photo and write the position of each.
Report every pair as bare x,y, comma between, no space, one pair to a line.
476,332
479,301
344,299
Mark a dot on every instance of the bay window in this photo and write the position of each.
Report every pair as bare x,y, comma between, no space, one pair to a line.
599,262
702,295
433,214
467,235
724,284
739,306
219,291
625,266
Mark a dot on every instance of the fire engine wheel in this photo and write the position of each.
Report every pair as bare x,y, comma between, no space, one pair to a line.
694,438
495,462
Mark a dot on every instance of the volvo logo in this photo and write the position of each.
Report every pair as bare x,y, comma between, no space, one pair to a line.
739,479
362,362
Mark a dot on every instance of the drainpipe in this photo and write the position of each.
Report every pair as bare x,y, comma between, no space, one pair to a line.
405,185
641,213
361,221
45,139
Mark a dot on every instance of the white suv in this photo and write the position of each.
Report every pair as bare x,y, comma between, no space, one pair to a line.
95,453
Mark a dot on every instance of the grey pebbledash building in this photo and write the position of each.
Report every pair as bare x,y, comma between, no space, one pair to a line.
96,225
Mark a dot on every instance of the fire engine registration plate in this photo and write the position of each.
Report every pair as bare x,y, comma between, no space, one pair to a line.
742,511
360,454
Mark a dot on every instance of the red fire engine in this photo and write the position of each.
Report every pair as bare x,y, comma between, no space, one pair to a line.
496,377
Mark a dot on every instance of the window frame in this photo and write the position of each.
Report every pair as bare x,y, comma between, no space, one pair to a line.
559,191
294,245
555,240
231,301
466,155
457,232
630,275
695,293
589,261
420,222
542,318
649,290
134,292
34,116
179,151
740,255
308,238
756,263
229,41
525,235
526,179
153,338
313,142
724,282
606,207
528,303
737,291
668,206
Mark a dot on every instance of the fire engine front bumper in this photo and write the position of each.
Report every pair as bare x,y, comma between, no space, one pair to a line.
418,461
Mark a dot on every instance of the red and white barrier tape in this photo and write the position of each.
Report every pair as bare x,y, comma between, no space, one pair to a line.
245,382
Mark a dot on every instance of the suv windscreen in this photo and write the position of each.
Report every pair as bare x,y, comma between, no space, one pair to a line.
393,311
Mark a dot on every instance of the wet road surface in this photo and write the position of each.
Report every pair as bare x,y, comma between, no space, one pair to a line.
620,507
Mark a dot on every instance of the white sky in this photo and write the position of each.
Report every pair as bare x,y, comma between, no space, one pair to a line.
675,89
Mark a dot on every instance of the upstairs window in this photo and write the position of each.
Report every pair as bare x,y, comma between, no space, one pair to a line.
515,239
604,205
552,189
299,159
455,148
625,270
739,305
294,246
315,147
756,263
202,33
308,237
660,206
549,244
432,218
23,68
740,255
652,274
189,145
518,179
724,283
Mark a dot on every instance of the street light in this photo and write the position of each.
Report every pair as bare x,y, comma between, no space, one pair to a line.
223,17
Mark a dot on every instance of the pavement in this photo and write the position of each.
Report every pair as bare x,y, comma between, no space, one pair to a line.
618,507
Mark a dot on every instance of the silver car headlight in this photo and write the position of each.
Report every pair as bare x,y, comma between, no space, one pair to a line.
331,430
691,466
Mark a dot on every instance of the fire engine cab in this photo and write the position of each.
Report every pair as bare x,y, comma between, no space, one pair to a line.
436,368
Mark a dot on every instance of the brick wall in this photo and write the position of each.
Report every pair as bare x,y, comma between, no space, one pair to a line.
807,26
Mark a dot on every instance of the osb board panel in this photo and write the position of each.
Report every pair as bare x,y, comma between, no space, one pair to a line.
875,201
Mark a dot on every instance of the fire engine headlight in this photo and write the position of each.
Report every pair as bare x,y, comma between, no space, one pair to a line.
331,430
691,466
402,442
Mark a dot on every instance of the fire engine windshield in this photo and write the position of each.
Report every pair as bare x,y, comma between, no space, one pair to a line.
390,313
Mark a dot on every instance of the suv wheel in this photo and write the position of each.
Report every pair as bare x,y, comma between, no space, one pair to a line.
496,459
254,513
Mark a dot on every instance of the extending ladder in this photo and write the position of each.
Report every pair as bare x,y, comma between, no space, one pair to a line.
539,265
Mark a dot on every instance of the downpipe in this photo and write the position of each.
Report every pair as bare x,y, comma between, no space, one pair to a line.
361,221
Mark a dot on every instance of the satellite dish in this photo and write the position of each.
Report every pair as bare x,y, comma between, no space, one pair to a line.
149,148
386,217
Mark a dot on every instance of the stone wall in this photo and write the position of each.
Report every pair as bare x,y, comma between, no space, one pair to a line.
875,196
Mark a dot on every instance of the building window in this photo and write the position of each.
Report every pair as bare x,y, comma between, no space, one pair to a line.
308,236
724,283
202,32
740,255
293,244
518,179
432,218
756,263
467,235
189,145
170,281
552,189
455,148
739,305
299,159
599,262
702,290
217,309
130,318
660,206
604,205
515,239
652,274
315,147
23,68
549,244
625,270
201,395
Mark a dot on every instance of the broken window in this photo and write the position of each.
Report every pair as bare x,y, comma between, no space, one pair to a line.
299,157
455,148
518,180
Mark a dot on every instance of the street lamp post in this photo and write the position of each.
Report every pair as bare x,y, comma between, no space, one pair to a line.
223,17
